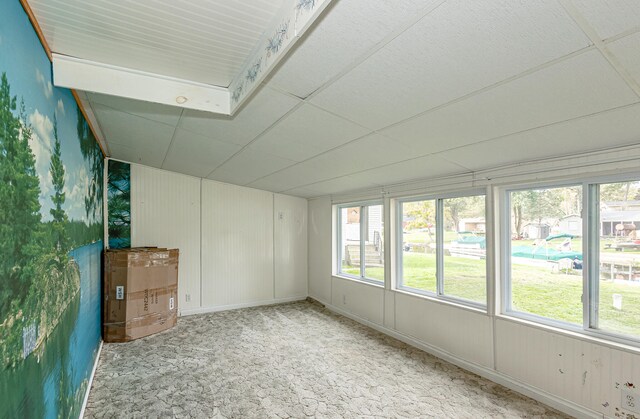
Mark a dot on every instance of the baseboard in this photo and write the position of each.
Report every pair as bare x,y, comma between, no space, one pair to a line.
549,399
93,373
203,310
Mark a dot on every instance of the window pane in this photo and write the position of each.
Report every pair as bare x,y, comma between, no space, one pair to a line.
374,243
546,253
350,241
465,248
619,284
419,245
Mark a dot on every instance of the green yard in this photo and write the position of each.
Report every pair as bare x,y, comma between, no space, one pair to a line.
535,289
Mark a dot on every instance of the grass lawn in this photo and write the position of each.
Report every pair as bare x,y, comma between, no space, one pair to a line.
535,290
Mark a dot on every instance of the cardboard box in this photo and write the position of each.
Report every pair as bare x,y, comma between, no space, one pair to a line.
140,292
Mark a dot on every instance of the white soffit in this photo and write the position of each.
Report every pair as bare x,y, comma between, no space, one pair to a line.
75,67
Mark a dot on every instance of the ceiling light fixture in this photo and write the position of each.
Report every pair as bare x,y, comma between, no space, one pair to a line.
181,100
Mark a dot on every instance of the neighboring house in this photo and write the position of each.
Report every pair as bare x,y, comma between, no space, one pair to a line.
629,220
477,224
536,231
571,224
620,206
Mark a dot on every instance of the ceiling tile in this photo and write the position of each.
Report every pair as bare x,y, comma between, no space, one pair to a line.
196,155
248,166
610,17
346,32
627,51
264,109
333,186
605,130
131,130
582,85
417,168
160,113
365,153
141,155
460,47
306,132
368,152
292,177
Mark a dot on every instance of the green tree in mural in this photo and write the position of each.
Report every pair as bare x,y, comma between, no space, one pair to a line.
60,219
20,230
93,155
119,192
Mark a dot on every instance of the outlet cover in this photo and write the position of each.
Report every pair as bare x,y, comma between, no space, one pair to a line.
630,401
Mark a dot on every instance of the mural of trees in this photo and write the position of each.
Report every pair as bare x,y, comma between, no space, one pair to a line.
93,155
20,226
119,197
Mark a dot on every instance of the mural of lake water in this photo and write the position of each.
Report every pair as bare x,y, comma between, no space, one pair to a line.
65,358
51,230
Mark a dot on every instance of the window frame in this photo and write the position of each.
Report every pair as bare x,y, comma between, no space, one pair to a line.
363,205
439,294
505,253
590,214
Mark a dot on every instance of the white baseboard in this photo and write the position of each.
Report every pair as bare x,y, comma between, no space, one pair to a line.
549,399
203,310
93,373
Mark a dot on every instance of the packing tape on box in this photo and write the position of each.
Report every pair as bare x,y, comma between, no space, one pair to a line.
146,320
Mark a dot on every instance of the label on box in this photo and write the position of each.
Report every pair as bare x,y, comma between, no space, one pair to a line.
120,292
171,303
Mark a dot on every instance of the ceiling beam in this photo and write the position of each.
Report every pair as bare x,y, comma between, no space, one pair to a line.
296,17
90,76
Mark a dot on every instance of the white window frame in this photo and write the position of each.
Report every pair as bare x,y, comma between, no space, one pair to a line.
590,256
439,294
363,226
505,252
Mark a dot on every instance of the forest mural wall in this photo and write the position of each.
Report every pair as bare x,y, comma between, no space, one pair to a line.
119,204
50,233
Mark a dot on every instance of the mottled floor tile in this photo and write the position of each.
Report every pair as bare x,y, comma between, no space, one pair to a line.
289,361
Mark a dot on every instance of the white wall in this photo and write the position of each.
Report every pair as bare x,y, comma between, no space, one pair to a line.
165,212
238,246
320,260
290,246
581,375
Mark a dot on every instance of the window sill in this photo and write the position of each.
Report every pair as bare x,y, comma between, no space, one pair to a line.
442,301
593,338
370,282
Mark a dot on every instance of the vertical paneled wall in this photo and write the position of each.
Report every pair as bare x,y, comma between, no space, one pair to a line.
585,378
238,246
290,246
320,249
165,212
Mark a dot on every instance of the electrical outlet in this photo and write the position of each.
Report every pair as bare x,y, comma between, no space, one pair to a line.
187,297
630,401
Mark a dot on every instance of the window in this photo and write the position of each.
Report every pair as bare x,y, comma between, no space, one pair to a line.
545,260
615,261
548,266
361,241
442,247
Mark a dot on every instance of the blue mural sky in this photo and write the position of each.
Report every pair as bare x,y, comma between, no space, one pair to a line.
44,102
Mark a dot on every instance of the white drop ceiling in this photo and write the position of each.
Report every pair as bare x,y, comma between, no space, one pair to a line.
376,93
